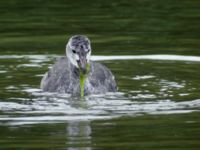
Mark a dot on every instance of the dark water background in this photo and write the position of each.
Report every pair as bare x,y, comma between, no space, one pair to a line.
158,103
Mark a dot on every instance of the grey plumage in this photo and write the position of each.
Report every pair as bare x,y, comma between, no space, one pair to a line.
64,76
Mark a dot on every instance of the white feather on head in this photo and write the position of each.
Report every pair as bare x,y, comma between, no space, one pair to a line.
73,58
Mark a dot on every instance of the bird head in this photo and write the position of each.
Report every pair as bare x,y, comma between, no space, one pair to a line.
78,50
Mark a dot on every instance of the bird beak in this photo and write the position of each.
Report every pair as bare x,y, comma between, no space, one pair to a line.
82,63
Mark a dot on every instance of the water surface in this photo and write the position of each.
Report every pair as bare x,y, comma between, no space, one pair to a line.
152,48
157,94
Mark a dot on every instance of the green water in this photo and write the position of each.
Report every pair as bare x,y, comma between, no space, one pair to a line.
119,27
157,106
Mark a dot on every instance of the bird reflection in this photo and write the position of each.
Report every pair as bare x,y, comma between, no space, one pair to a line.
78,135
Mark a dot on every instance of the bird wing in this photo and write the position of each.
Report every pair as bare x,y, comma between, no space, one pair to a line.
103,77
56,79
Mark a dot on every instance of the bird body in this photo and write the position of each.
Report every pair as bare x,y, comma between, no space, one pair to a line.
76,72
63,77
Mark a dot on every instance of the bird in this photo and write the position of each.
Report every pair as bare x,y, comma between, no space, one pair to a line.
76,73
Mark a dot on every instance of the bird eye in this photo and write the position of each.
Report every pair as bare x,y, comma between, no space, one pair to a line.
74,51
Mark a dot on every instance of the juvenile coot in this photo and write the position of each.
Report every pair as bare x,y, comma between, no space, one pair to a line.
76,74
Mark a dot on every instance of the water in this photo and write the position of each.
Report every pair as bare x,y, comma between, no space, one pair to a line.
153,97
152,48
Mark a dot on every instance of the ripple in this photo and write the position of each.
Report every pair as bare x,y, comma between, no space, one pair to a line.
29,65
3,71
42,107
42,58
168,85
143,77
148,57
144,96
52,107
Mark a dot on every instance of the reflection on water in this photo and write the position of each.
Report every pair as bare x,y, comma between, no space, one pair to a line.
154,85
60,109
78,133
157,96
157,106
